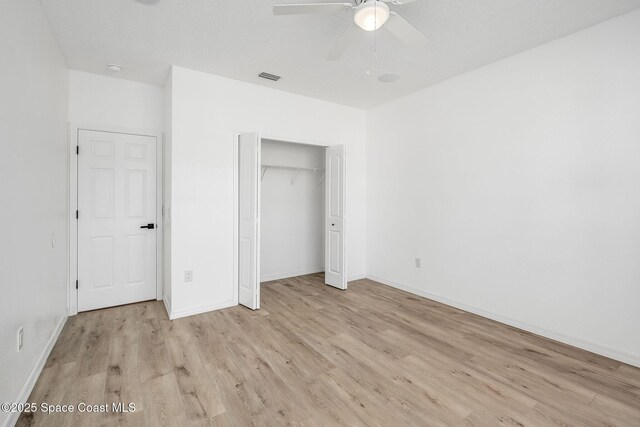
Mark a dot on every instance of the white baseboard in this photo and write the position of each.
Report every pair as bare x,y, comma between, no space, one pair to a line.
167,305
35,372
288,274
271,277
198,310
624,357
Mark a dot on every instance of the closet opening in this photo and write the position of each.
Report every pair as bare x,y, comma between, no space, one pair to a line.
291,210
291,213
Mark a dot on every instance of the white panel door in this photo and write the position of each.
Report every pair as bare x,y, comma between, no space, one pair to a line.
116,219
249,220
335,230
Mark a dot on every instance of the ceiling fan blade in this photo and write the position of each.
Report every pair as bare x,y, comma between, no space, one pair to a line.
307,8
342,43
405,32
401,2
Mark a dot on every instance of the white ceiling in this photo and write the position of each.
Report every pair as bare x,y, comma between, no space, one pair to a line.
240,38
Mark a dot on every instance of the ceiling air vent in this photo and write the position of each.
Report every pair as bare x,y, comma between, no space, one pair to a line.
268,76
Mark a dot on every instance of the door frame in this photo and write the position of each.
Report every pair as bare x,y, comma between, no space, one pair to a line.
236,194
73,142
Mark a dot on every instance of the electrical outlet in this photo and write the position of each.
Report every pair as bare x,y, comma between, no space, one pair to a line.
20,338
188,276
418,262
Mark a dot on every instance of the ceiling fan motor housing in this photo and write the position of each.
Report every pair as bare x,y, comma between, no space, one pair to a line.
371,15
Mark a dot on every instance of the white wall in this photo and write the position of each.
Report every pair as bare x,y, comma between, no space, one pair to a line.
100,100
519,186
33,191
167,184
128,106
207,110
292,216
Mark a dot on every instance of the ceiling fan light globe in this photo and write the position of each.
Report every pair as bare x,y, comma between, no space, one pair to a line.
371,15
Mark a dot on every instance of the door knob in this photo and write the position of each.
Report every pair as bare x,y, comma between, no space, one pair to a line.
149,226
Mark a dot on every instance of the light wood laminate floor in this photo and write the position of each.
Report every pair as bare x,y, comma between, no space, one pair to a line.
317,356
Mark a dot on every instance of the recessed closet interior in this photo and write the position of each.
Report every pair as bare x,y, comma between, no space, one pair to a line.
292,208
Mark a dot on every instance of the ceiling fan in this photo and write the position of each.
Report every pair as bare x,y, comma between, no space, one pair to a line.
369,15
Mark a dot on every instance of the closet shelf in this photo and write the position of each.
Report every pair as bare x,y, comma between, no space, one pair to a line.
295,170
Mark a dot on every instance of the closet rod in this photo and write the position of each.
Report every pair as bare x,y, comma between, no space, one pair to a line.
296,171
293,168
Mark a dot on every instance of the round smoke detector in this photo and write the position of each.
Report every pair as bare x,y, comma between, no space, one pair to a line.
389,77
115,68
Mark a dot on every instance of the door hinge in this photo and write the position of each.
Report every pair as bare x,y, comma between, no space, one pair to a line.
76,284
77,149
77,214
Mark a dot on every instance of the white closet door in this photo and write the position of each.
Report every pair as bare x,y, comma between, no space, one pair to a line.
335,229
116,199
248,212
